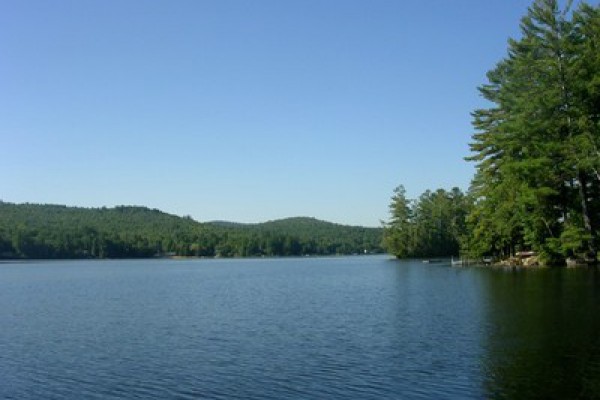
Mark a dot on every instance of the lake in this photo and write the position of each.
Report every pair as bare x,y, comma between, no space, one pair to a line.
300,328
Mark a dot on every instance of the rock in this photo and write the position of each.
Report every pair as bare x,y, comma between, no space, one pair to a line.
531,261
575,262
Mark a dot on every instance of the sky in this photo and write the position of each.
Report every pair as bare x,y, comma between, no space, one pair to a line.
240,110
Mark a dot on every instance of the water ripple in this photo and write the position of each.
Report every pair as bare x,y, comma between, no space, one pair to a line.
363,328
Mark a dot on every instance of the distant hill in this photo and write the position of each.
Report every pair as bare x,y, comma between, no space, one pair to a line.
226,224
303,226
57,231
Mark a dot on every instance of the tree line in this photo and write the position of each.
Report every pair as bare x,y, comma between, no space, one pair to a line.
54,231
431,226
536,149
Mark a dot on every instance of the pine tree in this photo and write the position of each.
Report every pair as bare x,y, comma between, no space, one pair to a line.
535,146
431,226
398,234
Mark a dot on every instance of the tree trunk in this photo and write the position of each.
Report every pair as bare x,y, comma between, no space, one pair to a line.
587,221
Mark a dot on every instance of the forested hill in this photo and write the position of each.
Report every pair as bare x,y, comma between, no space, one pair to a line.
55,231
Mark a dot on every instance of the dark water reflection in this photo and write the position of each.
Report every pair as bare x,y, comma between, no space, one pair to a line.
544,336
335,328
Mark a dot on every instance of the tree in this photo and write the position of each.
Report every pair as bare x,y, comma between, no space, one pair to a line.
536,167
432,226
398,233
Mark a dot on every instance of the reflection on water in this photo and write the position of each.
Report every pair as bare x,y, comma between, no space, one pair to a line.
543,340
334,328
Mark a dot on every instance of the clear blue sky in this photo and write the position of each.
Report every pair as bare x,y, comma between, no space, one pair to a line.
243,110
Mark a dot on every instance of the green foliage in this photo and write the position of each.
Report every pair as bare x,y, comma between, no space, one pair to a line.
299,236
432,226
537,184
51,231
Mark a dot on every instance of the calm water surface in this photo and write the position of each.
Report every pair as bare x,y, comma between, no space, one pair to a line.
313,328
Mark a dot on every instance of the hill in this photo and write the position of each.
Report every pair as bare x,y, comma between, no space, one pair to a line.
57,231
303,235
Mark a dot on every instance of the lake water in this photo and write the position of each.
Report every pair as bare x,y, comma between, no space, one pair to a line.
310,328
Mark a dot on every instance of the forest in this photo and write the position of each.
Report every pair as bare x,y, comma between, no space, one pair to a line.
536,150
55,231
431,226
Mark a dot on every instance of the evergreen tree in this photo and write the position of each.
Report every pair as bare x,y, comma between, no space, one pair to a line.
536,183
432,226
399,232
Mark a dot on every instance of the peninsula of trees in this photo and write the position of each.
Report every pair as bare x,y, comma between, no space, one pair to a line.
536,149
54,231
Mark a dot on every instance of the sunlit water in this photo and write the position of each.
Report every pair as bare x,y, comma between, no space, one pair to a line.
311,328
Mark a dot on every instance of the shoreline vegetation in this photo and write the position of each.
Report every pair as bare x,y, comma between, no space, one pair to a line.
36,231
536,150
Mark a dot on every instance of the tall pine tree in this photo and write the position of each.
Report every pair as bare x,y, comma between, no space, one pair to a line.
536,184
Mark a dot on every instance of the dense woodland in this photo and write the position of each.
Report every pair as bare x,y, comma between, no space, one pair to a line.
431,226
53,231
536,149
